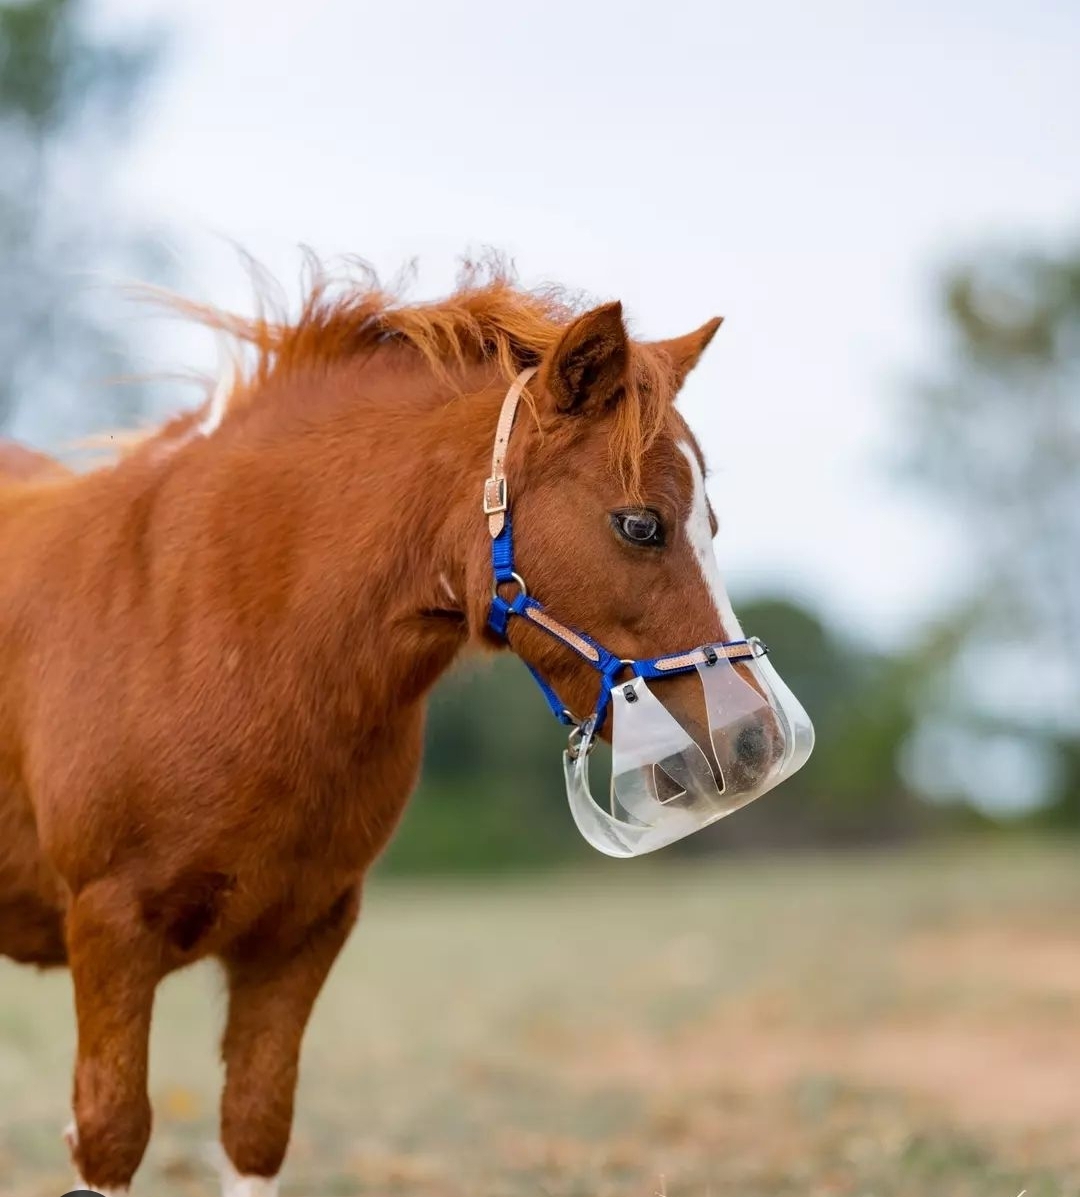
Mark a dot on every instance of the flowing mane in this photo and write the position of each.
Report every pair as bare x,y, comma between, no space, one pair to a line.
487,318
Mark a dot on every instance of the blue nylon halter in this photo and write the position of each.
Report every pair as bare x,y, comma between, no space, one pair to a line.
522,605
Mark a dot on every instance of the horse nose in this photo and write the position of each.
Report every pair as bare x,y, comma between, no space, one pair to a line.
754,750
742,759
752,747
741,746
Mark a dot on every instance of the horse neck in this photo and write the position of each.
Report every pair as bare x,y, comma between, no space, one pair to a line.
362,525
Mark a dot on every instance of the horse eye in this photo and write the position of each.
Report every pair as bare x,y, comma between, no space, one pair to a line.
639,527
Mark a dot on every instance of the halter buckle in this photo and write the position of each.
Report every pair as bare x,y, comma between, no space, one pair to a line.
495,499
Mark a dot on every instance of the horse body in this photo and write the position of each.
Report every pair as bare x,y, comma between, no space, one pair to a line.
214,659
31,901
165,647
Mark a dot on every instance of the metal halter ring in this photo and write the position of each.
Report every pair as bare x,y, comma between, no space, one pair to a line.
514,578
577,734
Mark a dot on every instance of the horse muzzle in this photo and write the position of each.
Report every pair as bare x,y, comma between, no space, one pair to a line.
683,758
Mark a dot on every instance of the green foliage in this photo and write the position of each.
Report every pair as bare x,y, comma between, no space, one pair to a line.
50,71
995,439
491,796
66,98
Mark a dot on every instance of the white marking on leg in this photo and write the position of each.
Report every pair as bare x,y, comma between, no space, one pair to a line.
251,1186
235,1185
699,534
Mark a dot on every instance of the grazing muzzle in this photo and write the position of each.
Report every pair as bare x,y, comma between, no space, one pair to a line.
677,766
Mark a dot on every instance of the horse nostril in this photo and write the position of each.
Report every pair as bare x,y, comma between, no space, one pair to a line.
751,747
757,750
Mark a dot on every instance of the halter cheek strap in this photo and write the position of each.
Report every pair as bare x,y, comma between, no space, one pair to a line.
496,497
524,606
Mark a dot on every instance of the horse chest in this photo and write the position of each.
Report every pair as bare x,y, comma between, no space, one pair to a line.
331,797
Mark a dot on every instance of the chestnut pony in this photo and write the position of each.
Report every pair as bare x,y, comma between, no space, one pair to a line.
215,653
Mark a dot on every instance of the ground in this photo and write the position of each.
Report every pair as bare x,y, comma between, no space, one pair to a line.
895,1025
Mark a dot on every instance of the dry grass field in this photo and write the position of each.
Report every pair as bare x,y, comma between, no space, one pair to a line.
901,1025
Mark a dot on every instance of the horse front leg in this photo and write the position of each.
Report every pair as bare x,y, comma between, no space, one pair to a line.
116,964
271,994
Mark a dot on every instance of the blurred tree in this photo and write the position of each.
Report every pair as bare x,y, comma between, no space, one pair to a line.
491,794
65,102
997,439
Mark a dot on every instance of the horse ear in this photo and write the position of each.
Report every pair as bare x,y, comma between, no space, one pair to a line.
586,370
685,352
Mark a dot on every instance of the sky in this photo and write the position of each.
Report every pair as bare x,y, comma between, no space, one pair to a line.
804,170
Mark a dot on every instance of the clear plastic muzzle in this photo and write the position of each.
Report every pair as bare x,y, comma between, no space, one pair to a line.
674,771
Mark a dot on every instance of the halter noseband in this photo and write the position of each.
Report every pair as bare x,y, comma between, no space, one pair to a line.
523,605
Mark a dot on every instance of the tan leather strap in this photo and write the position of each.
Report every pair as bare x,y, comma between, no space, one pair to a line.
738,651
567,635
496,498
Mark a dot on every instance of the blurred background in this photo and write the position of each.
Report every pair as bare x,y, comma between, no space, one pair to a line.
883,202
